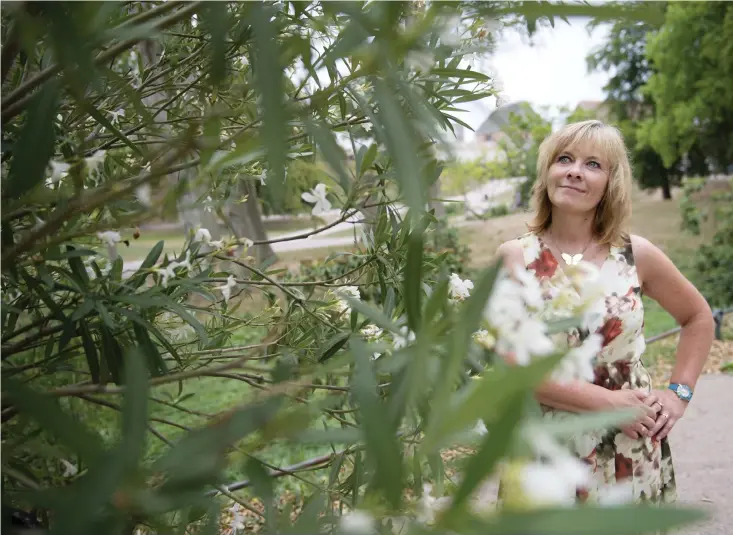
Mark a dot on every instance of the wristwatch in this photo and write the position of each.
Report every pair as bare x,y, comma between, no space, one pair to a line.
683,392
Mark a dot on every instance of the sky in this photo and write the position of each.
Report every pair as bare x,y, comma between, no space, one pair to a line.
551,72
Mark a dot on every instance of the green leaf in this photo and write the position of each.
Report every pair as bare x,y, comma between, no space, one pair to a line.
332,346
152,256
436,301
269,82
368,159
375,315
199,456
460,73
490,452
156,364
46,412
34,147
470,316
134,411
262,484
382,446
112,355
332,153
90,351
400,142
413,278
215,20
78,269
628,520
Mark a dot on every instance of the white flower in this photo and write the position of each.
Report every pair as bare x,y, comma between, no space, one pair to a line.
554,483
116,115
578,363
70,470
340,304
449,34
58,171
509,312
480,428
226,289
237,522
358,523
95,161
420,61
371,332
208,204
458,289
246,242
403,339
317,197
555,480
144,194
429,506
484,338
202,235
194,20
111,238
170,270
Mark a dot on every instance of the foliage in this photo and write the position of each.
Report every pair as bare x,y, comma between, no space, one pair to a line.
520,146
108,106
712,261
693,104
460,177
624,54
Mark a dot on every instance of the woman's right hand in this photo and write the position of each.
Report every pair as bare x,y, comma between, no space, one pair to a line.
638,400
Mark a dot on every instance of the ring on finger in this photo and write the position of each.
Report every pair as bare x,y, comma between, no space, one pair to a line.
665,415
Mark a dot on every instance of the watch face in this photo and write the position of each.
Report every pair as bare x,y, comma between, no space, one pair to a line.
683,391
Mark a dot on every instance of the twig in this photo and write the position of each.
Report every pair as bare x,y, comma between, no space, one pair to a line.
15,102
110,405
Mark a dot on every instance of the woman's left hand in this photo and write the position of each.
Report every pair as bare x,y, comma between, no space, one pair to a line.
670,410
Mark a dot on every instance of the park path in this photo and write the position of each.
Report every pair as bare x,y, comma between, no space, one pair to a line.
702,451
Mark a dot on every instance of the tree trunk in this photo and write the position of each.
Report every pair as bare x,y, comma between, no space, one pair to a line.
666,189
435,201
246,220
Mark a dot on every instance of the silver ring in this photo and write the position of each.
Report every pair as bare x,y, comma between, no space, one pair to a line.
665,415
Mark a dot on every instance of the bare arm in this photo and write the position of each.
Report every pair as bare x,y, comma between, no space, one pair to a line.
663,282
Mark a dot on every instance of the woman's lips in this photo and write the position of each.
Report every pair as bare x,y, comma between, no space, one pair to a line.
572,188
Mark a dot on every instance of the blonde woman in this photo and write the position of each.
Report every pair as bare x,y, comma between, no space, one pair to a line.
582,204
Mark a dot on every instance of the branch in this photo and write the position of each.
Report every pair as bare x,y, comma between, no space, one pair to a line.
17,100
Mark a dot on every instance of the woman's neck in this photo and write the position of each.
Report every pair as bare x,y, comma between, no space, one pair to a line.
571,231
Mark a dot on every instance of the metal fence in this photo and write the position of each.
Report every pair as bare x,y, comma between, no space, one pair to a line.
718,315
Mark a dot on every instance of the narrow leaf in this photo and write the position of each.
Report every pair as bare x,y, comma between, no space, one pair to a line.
34,147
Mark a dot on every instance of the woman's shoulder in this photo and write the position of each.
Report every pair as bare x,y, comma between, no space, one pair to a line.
512,251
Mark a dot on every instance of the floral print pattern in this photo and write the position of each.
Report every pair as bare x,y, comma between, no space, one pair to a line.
643,464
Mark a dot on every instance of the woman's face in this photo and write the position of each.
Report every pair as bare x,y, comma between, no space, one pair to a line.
577,179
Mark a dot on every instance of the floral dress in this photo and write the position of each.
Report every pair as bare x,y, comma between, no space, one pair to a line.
643,465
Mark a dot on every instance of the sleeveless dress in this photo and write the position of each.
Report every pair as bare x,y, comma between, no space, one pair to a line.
643,464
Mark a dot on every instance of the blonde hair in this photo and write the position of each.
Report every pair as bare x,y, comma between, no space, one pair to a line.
614,209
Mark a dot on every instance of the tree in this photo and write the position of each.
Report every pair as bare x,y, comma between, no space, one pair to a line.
625,55
105,368
692,86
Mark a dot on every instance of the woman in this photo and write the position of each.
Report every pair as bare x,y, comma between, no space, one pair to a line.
582,205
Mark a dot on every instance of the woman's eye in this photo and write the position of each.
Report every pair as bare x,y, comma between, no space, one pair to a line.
564,159
594,164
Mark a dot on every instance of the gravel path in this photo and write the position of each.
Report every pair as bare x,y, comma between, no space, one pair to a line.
702,451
